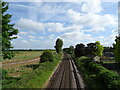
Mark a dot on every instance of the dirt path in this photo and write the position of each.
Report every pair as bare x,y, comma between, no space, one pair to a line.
19,63
66,75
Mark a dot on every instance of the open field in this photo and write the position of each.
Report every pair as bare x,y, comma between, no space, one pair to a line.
24,55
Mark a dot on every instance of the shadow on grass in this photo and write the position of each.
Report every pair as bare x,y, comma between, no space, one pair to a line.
8,80
33,66
112,66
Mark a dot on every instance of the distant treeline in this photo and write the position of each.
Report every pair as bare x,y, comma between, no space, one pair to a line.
31,49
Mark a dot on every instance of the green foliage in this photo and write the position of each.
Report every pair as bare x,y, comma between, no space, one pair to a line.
99,48
91,48
117,49
8,54
79,50
8,31
69,50
59,44
47,56
108,78
98,74
3,73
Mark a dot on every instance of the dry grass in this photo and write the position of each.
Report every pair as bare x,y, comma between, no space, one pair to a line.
24,55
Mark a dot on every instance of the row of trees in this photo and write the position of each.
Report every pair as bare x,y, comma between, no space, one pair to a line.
91,49
69,50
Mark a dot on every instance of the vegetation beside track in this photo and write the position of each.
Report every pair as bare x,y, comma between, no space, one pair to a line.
34,79
97,76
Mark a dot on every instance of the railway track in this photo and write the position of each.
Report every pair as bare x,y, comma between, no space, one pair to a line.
66,76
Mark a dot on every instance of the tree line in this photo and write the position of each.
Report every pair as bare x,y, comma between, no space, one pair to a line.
91,49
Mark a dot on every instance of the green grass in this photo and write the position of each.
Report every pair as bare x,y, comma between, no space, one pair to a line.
105,62
24,55
36,78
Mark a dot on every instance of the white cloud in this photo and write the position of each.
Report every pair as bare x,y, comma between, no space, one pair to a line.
27,24
55,27
75,37
94,6
41,37
52,36
23,33
33,40
95,29
30,25
31,37
24,41
95,21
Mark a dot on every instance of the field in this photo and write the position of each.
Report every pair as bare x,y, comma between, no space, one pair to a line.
31,75
24,55
15,70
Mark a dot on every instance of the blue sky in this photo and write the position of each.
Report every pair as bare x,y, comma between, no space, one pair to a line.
41,23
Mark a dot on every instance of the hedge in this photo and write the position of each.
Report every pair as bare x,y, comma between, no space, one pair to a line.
103,76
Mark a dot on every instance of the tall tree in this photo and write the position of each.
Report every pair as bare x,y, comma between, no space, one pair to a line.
59,44
99,48
7,32
79,50
117,49
91,48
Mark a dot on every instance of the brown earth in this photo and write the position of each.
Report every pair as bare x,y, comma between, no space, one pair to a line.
20,63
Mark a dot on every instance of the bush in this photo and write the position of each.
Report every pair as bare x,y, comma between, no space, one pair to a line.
3,73
104,77
47,56
108,78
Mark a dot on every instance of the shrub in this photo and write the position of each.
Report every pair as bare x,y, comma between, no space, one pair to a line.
3,73
86,62
47,56
108,78
104,77
95,68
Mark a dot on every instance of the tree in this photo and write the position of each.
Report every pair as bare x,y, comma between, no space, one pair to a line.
46,56
59,44
7,32
99,48
69,50
91,48
79,50
117,49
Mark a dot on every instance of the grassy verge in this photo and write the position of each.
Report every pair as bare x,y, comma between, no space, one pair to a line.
97,76
36,78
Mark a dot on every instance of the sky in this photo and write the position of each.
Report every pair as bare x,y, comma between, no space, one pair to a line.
41,23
